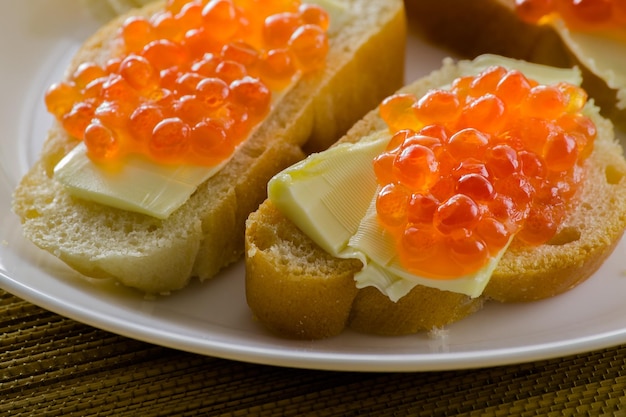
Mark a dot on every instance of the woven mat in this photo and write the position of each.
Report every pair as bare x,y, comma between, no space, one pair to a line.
54,366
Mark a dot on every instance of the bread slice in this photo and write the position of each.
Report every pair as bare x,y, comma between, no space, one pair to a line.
206,233
296,289
472,28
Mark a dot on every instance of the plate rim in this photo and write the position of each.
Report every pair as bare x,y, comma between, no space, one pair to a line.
303,357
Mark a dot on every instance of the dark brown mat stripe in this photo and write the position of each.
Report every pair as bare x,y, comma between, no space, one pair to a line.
54,366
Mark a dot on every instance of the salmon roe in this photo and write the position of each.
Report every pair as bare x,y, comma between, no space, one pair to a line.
579,14
496,156
192,80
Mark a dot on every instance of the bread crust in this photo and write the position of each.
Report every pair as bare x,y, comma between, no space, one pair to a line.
593,226
206,233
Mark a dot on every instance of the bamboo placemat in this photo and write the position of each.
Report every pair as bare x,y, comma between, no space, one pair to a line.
53,366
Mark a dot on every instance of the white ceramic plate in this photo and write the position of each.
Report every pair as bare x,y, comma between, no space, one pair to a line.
212,319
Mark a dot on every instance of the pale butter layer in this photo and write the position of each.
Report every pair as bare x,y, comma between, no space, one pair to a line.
331,196
140,185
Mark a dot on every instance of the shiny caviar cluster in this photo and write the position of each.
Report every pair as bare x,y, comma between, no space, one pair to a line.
496,156
192,80
577,13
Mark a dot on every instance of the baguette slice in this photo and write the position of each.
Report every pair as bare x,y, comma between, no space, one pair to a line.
298,290
472,28
206,233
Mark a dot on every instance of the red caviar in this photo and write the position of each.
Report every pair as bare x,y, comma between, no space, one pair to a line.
192,80
580,14
465,170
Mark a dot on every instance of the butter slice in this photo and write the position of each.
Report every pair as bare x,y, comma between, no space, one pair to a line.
383,269
328,193
136,185
541,73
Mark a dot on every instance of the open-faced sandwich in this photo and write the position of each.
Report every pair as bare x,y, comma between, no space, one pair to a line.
490,179
172,118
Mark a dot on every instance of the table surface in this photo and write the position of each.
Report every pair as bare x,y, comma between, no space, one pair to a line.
52,365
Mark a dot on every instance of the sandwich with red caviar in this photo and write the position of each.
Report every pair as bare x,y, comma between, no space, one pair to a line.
491,179
590,34
173,117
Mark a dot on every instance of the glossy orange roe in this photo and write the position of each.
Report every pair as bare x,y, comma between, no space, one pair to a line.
496,156
193,79
579,14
